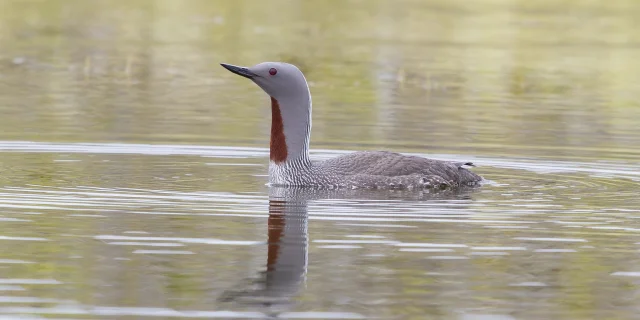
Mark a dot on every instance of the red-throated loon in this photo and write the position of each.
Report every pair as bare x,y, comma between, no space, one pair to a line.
289,147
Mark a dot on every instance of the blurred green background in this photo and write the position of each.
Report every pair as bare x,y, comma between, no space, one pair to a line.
494,77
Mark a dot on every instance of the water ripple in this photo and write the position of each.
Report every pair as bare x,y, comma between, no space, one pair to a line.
533,214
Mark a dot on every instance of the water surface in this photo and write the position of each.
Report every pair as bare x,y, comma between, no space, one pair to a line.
134,166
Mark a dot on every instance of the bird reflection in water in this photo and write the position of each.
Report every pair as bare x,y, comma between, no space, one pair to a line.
286,255
286,267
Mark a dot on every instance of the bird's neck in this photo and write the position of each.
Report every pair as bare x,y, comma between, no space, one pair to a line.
290,131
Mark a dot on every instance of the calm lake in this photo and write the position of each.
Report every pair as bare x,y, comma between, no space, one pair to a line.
133,166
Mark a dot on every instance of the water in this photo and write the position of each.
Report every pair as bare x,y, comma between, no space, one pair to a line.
134,166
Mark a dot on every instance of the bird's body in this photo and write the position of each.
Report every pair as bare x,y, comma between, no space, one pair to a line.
289,148
373,170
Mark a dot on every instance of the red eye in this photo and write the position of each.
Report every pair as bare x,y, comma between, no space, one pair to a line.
273,71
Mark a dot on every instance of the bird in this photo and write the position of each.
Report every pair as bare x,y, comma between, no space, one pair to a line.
289,162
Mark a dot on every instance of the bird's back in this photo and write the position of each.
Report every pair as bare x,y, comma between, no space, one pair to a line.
391,164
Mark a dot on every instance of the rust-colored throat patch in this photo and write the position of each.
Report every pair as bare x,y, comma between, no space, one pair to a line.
278,143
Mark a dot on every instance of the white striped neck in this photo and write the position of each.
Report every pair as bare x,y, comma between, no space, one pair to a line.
291,172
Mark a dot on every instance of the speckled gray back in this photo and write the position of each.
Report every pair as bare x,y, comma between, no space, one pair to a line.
391,164
373,170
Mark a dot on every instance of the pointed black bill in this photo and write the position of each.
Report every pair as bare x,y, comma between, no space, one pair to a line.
241,71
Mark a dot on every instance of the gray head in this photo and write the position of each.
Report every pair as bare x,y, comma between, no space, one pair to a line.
277,79
290,104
